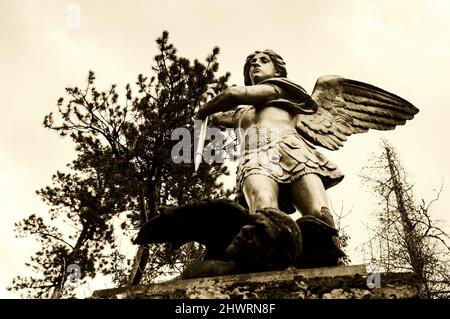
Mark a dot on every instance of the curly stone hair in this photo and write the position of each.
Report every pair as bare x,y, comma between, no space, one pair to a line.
285,244
276,59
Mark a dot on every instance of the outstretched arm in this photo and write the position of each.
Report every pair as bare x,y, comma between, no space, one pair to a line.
240,95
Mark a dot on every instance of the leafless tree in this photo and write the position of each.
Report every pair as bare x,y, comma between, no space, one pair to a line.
407,237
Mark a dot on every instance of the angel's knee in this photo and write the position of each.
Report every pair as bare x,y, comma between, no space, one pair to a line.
263,199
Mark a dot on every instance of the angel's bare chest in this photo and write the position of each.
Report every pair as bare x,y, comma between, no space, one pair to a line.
266,117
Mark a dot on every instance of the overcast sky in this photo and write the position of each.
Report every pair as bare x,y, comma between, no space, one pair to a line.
400,46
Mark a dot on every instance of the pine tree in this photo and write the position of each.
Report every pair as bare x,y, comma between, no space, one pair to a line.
123,164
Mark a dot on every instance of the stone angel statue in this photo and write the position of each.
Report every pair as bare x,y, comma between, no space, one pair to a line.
281,125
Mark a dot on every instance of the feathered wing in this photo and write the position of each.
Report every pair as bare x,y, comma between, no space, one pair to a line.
348,107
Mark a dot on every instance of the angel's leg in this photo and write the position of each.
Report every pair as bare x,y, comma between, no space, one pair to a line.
260,191
310,198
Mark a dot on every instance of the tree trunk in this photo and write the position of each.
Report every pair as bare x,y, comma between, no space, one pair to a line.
412,246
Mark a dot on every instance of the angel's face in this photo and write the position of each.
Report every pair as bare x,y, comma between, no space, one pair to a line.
261,68
252,244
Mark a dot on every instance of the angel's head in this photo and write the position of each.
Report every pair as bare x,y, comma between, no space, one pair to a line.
261,65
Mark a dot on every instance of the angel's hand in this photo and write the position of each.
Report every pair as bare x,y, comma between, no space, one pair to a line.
208,95
201,114
205,98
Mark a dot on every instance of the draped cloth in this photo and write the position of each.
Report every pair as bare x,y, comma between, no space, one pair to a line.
284,156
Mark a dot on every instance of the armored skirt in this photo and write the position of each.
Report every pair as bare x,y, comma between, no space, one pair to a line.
284,156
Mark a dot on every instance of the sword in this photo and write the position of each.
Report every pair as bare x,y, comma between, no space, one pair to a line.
201,141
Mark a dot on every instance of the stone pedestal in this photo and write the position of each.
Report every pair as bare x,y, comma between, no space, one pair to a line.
346,282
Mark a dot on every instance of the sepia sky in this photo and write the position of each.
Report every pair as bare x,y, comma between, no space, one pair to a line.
400,46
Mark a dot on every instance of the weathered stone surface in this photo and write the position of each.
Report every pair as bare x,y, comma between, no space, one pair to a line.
348,282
